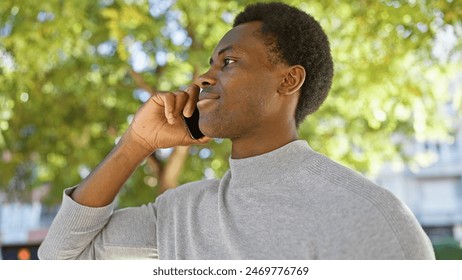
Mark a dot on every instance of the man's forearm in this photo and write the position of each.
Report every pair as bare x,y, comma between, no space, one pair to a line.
104,183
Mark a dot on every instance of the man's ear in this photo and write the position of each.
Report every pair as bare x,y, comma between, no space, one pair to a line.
293,80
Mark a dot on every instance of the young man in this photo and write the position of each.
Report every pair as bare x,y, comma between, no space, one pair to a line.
279,200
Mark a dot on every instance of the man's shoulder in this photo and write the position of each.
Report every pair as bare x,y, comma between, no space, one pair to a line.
326,169
358,207
342,185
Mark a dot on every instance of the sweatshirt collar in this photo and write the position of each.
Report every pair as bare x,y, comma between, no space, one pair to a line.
272,165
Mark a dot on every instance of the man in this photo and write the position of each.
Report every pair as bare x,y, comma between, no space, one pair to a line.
279,200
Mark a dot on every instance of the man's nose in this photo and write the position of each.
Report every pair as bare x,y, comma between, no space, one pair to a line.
206,80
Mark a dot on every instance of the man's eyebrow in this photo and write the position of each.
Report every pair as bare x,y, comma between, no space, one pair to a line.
228,48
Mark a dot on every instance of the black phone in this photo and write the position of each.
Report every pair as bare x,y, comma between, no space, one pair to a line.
192,125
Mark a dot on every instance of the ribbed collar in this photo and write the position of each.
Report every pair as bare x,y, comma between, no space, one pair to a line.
270,166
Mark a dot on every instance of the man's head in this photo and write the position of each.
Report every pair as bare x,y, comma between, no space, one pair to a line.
266,74
295,38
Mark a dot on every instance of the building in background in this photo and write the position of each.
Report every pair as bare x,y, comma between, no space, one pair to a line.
23,226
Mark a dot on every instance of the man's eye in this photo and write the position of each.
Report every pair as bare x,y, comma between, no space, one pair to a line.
228,61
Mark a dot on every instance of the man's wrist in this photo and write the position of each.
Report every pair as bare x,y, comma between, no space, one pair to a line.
132,148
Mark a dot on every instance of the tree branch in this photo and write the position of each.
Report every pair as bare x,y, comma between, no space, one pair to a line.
140,82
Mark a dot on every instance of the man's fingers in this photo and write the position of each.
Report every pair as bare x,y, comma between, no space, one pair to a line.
179,102
193,92
169,106
174,104
181,98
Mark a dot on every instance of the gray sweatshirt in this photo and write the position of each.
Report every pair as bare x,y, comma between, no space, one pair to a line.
291,203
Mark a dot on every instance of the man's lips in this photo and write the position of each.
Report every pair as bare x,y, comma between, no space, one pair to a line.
206,95
206,98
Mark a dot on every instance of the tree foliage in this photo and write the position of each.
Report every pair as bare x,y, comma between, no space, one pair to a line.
72,74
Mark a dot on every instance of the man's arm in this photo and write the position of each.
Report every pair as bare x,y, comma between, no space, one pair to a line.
157,124
85,223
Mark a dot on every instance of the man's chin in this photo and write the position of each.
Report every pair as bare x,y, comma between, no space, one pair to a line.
212,131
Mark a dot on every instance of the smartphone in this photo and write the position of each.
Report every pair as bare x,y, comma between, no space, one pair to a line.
192,125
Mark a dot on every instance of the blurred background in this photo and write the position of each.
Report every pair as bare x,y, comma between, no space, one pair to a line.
73,73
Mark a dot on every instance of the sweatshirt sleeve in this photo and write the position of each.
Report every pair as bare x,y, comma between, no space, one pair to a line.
81,232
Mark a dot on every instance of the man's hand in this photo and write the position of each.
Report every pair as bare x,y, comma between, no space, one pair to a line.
159,124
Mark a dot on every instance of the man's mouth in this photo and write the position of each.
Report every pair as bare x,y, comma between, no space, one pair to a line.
208,95
207,98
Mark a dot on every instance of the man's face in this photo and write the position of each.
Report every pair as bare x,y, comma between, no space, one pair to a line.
239,91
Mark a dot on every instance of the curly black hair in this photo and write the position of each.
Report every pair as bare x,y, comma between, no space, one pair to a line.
296,38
